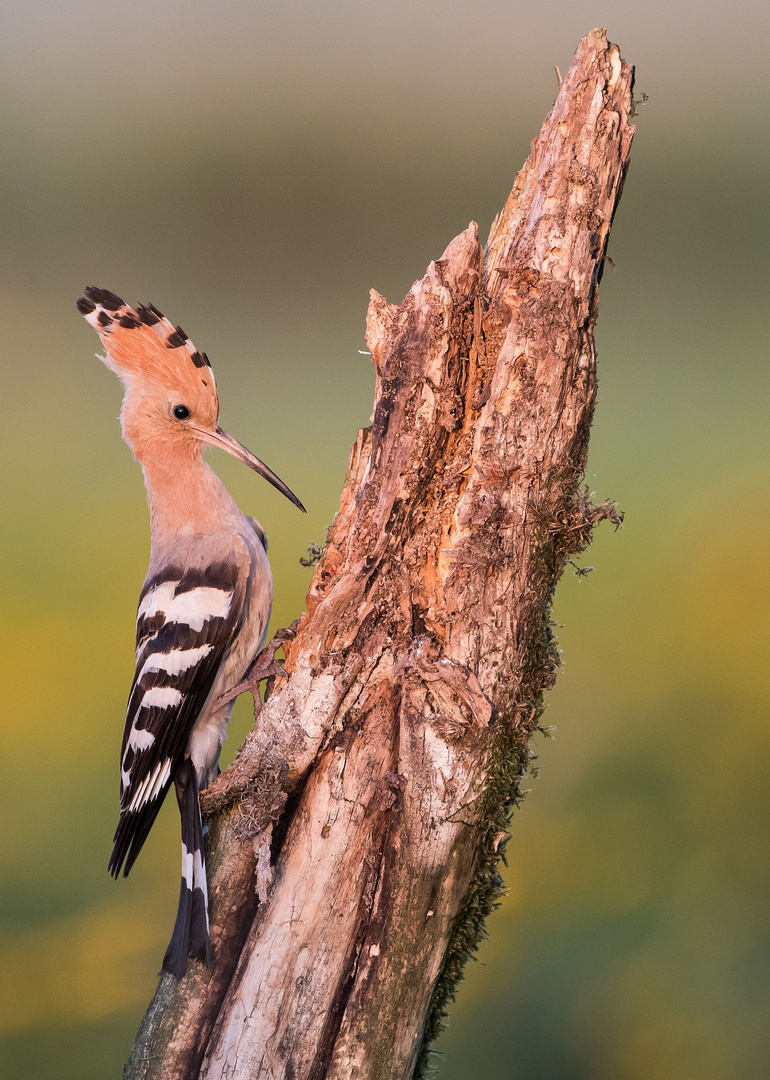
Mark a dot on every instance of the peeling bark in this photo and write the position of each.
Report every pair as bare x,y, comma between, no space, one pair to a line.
368,804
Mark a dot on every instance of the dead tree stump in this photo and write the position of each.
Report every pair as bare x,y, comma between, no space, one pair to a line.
354,842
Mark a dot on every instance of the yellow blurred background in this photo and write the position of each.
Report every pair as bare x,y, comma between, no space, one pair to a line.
252,169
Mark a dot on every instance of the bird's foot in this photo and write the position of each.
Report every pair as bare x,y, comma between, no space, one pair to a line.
265,668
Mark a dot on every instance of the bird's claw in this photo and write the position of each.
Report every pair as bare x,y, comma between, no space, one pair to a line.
265,668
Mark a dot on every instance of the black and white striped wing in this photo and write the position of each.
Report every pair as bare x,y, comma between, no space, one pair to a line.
184,627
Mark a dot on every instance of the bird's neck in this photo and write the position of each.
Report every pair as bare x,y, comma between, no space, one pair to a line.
186,497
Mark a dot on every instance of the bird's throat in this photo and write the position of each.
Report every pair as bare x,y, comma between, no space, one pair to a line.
185,496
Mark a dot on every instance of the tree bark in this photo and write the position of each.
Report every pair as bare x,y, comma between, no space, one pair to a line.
354,842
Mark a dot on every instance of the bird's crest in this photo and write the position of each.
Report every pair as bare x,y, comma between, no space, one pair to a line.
143,343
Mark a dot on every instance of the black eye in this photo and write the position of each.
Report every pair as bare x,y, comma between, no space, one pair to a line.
181,412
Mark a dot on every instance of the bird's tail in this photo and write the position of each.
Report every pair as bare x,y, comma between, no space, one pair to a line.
191,929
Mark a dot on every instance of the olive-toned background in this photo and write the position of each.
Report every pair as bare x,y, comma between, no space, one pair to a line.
252,169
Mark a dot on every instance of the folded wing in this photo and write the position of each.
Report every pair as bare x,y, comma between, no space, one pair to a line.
184,628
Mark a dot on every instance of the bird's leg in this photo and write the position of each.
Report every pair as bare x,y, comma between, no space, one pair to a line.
266,667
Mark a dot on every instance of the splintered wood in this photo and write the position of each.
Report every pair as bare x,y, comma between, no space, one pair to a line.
381,770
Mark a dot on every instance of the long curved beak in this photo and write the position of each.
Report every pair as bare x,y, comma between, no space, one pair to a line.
220,438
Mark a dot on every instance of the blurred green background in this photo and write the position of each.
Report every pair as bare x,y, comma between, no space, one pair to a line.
253,169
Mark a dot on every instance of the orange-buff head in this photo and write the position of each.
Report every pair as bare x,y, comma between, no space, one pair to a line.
171,404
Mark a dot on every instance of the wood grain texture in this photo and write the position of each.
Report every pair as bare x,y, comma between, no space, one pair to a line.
374,789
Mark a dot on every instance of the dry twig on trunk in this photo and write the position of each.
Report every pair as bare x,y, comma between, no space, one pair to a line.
369,802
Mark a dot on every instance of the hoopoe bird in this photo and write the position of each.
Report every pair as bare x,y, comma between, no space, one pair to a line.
205,604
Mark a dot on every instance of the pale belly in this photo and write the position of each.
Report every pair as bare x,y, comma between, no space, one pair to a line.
210,729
